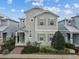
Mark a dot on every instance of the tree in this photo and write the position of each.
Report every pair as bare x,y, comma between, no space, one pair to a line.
58,41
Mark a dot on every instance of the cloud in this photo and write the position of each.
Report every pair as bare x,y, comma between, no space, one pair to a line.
56,1
13,10
67,6
9,1
53,9
76,5
67,11
22,10
35,2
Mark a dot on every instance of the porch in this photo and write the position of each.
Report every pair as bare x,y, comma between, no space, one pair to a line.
72,35
73,38
3,36
20,38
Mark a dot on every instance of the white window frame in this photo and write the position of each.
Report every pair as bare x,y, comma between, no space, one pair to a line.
50,36
49,20
44,37
44,23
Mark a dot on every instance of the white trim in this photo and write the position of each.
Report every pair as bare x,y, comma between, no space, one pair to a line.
45,30
62,30
71,38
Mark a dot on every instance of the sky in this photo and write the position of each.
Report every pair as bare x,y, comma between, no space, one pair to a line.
15,8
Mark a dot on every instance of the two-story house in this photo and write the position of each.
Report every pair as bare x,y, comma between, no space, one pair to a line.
70,29
38,25
8,27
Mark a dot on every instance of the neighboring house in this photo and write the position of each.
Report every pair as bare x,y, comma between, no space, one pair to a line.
8,27
38,25
70,29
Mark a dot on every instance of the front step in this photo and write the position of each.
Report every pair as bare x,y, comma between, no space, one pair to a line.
17,50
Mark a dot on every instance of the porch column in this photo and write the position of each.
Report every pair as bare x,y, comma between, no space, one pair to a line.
46,36
19,37
16,37
1,38
1,35
71,38
25,37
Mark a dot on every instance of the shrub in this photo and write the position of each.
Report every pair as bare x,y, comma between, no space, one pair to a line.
28,43
6,51
71,46
63,51
66,50
58,41
9,44
47,49
30,49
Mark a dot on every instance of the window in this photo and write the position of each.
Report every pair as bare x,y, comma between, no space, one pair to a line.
69,22
50,22
30,34
41,38
23,20
50,37
41,23
31,19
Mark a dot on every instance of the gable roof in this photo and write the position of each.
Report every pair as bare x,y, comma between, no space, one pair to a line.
46,11
77,15
70,17
3,17
2,28
36,7
72,29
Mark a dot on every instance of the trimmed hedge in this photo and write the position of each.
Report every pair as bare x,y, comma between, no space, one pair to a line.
71,46
30,49
43,49
47,49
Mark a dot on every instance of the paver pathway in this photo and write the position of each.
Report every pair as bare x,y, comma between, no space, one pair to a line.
17,50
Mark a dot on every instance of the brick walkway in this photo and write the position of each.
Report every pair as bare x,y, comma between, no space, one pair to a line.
35,56
17,50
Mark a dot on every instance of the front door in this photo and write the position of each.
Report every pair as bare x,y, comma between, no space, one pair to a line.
68,37
4,36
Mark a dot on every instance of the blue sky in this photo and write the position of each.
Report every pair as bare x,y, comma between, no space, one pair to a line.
15,8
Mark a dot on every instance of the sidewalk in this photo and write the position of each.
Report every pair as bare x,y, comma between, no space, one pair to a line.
35,56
